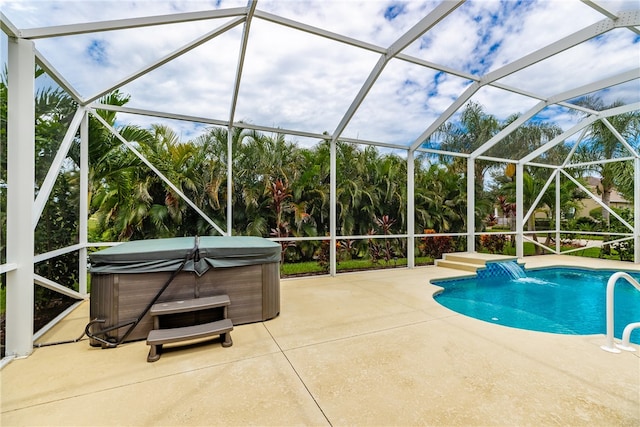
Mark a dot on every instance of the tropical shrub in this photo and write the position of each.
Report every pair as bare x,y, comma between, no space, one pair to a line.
494,243
435,246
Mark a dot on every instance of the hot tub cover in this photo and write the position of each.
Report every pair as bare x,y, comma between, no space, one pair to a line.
147,256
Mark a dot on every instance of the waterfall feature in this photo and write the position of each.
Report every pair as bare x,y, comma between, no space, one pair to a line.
508,269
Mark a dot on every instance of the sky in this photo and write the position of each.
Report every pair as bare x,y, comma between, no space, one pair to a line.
295,80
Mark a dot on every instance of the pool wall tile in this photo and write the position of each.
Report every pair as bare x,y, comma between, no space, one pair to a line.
498,269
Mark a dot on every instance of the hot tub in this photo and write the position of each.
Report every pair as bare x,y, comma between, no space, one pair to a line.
125,279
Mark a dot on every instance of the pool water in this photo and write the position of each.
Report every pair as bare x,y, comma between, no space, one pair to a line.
558,300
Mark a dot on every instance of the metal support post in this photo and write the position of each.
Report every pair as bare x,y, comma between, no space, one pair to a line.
558,211
471,205
411,239
332,207
230,180
519,210
636,210
20,197
84,204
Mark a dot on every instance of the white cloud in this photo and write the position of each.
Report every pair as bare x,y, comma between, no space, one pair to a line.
581,65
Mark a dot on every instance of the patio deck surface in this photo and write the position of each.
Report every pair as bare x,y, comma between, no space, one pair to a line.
357,349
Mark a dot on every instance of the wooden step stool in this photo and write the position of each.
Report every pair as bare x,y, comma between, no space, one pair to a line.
157,337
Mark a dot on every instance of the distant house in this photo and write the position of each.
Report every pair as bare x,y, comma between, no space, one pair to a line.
588,204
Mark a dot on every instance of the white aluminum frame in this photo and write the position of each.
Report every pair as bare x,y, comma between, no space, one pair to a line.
23,212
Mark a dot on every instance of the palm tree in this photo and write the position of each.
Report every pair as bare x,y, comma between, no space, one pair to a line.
527,138
54,110
474,129
249,193
119,186
356,196
311,189
440,199
601,144
391,182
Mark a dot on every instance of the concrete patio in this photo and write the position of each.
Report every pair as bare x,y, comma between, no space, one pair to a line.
357,349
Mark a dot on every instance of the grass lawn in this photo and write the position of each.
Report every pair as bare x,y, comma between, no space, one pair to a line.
312,267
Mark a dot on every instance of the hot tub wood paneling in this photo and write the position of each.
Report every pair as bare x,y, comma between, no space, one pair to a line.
254,291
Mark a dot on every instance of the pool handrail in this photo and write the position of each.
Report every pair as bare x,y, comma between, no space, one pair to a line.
610,346
626,337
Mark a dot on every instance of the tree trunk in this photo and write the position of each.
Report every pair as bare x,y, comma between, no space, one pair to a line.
606,199
531,226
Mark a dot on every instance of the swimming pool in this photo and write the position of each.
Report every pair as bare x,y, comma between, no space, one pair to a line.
558,300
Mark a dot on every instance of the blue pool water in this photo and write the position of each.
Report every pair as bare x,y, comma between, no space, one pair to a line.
558,300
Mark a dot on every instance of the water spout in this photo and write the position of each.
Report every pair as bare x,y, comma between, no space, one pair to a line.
509,269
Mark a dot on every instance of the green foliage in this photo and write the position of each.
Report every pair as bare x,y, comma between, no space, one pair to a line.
583,223
603,144
278,188
494,243
441,200
388,252
624,249
322,255
435,246
596,213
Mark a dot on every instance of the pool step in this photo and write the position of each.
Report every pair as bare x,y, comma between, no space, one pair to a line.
470,261
457,265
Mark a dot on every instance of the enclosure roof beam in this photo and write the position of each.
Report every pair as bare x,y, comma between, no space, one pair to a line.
52,174
561,45
381,50
243,50
552,49
609,14
425,24
318,31
558,139
570,94
167,58
442,152
575,147
243,125
124,24
205,120
160,114
584,123
375,143
623,77
7,26
57,77
619,137
359,44
597,162
509,129
450,111
155,170
599,8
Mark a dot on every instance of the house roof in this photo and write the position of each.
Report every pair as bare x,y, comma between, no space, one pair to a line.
616,197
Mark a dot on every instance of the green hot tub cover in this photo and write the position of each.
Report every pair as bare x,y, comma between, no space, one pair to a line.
147,256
